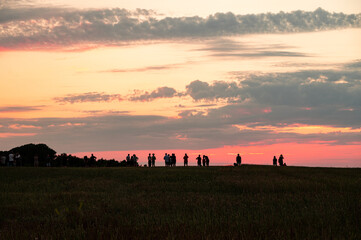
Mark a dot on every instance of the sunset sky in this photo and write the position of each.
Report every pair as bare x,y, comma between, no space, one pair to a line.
259,78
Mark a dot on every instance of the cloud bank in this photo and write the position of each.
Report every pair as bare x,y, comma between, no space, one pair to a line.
311,97
313,106
46,28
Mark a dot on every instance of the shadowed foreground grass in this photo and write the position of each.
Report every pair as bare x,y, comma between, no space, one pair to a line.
248,202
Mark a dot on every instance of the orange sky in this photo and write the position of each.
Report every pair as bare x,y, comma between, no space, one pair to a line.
105,78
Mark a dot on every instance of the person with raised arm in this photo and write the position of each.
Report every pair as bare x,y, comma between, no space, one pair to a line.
199,159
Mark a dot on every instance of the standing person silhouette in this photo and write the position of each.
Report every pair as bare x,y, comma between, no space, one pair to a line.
199,159
207,161
36,161
185,158
153,160
135,159
166,159
3,160
274,161
92,160
280,160
238,160
174,159
204,160
11,159
149,160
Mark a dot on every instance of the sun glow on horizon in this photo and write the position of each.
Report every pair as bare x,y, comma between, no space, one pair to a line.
301,129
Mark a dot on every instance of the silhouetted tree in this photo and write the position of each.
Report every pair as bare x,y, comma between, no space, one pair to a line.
28,152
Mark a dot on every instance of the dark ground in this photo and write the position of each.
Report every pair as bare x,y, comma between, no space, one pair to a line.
247,202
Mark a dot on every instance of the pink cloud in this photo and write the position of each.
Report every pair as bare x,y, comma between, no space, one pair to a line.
8,135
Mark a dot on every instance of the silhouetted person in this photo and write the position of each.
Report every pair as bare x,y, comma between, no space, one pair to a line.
149,160
47,159
128,158
92,160
238,160
3,160
185,158
18,159
153,160
166,159
86,161
174,160
36,161
171,161
11,159
280,160
199,159
135,160
274,161
207,161
204,160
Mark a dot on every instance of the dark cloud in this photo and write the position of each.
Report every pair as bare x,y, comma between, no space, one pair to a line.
305,88
199,90
88,97
162,92
53,28
309,88
23,14
20,108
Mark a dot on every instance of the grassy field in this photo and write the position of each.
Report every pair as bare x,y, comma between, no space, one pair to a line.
248,202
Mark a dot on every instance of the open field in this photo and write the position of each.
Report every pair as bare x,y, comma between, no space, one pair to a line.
248,202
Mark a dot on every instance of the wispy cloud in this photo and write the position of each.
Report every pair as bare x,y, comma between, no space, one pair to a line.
147,68
143,96
224,47
7,109
88,97
44,28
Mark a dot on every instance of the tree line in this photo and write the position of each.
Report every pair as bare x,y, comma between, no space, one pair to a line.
42,155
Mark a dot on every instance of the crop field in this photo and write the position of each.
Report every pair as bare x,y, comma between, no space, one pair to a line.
247,202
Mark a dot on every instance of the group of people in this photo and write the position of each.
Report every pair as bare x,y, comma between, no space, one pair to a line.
132,160
280,161
204,161
170,160
11,160
151,160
